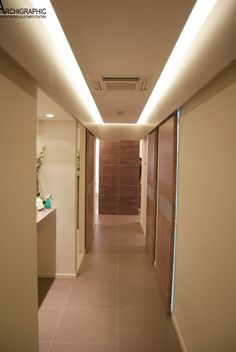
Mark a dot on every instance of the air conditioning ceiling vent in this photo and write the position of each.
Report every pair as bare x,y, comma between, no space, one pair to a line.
119,83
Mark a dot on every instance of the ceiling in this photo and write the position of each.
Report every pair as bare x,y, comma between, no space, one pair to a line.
114,38
46,105
122,38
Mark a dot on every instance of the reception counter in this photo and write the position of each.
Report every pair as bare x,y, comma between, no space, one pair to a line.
46,240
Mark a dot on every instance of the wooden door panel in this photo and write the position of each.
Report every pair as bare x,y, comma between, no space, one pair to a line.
89,196
151,194
167,147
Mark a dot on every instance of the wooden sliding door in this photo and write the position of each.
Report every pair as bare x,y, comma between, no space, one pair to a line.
89,189
151,194
167,152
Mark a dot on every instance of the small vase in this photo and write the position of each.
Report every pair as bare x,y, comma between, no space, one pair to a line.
47,203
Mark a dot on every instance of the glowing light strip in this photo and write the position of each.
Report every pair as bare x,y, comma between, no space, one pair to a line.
195,21
70,64
176,213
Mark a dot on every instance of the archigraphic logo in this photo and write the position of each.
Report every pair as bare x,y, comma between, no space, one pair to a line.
22,12
2,11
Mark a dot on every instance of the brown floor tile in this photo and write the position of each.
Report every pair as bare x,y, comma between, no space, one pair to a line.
148,348
48,320
136,276
108,219
97,276
68,347
98,269
67,282
108,240
130,229
44,346
105,240
105,229
93,297
58,293
141,261
99,259
129,219
133,237
87,326
114,304
131,249
138,297
103,248
144,327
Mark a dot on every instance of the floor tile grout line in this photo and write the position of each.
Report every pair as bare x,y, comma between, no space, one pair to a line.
117,224
117,282
60,317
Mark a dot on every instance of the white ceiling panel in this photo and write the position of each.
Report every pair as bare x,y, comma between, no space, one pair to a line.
122,38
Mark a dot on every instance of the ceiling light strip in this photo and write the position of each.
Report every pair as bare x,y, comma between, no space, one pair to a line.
198,16
55,31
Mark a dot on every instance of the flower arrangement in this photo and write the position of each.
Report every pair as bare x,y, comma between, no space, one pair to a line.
39,159
42,203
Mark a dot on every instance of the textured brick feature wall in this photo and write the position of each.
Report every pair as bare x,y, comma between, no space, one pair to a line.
119,186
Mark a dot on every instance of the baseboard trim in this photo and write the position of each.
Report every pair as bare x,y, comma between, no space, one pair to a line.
180,337
61,276
66,276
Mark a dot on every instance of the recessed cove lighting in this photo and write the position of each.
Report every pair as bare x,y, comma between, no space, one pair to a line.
69,65
198,16
50,116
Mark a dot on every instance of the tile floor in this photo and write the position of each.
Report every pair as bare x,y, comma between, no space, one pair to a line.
114,304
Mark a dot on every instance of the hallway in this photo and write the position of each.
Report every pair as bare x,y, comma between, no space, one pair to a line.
114,304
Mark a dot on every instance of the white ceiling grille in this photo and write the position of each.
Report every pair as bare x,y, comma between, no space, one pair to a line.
115,83
120,86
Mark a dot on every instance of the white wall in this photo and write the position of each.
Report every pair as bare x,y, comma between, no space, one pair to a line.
18,258
205,285
58,177
143,155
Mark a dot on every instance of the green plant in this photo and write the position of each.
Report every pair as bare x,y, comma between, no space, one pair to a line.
39,160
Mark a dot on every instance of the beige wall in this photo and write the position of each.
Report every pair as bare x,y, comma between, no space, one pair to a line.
58,177
18,259
205,285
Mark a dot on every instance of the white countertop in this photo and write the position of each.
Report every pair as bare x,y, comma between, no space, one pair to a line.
40,215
